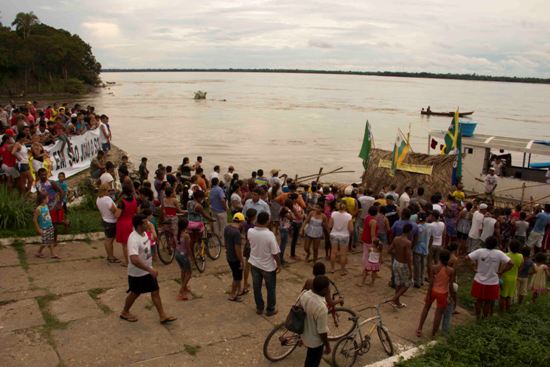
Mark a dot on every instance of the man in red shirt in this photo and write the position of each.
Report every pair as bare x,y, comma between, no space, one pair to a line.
8,159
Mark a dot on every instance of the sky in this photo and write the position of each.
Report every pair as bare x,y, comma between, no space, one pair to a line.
496,37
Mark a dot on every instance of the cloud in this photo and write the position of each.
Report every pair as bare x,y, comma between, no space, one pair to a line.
102,29
319,44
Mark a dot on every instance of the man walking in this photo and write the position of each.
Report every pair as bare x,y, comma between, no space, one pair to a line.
401,250
142,278
265,262
218,204
315,336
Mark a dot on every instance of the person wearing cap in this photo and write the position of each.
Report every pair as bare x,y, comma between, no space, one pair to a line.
474,236
109,215
234,254
274,177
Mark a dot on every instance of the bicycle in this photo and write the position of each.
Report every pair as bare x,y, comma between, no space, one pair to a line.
166,245
209,245
347,349
280,342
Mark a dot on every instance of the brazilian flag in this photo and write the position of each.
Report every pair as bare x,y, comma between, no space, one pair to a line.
400,151
453,145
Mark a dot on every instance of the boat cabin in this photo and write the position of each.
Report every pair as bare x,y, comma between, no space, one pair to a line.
518,181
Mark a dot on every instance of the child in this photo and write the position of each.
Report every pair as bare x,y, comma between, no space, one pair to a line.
319,269
285,219
183,249
232,237
538,283
249,223
65,187
44,226
372,263
509,278
441,284
524,271
151,231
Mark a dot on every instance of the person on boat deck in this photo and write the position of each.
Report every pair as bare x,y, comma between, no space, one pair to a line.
429,109
498,165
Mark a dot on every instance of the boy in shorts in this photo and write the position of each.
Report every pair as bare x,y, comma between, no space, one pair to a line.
44,226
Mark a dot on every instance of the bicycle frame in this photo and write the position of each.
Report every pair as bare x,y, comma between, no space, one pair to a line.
376,321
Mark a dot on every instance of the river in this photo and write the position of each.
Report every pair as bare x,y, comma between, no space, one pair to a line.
300,122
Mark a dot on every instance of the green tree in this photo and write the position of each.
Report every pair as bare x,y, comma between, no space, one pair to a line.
24,22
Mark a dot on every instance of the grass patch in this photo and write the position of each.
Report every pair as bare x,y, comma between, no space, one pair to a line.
465,278
94,293
519,338
19,247
149,306
50,321
191,349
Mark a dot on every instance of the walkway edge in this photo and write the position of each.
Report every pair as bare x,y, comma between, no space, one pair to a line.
61,238
403,356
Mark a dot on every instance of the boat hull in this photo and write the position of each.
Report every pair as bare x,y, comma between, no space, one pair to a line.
449,114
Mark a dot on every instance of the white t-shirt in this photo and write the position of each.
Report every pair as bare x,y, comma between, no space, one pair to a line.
214,174
140,246
316,321
437,208
490,182
488,263
404,200
273,180
435,230
106,177
488,228
104,204
477,225
263,245
236,201
340,224
103,139
366,202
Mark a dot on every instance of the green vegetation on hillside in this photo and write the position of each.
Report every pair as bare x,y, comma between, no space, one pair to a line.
37,58
510,79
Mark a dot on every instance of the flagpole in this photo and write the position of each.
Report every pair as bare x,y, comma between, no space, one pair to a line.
406,139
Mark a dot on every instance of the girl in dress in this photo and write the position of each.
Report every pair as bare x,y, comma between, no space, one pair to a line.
371,262
313,229
538,283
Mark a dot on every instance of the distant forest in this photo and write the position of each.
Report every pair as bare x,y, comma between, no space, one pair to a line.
510,79
37,58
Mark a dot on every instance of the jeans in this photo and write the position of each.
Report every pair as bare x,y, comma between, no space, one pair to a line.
284,239
313,356
419,264
219,225
446,319
295,234
270,277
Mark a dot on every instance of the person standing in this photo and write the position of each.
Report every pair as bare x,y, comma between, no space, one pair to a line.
44,226
542,219
420,251
401,250
21,153
218,205
228,176
128,206
105,133
315,335
257,203
232,236
510,278
142,278
55,198
109,214
341,227
474,235
265,263
489,228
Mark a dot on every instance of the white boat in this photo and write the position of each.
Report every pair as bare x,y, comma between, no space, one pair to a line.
518,182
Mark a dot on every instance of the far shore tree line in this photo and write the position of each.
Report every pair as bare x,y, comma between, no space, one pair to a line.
37,58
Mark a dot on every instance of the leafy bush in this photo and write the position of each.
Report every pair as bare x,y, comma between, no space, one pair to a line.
16,211
75,86
519,338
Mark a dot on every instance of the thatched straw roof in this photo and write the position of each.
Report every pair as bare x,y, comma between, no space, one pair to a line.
439,181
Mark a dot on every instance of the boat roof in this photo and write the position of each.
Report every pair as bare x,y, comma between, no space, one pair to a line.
500,142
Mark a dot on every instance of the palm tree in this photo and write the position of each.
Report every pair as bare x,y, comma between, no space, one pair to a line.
23,23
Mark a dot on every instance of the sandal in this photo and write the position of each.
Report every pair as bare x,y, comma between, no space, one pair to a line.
168,319
129,318
113,260
56,257
235,299
244,291
181,297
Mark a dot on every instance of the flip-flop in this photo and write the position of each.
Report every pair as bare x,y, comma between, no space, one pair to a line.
113,260
235,299
168,319
180,297
128,318
244,291
56,257
401,305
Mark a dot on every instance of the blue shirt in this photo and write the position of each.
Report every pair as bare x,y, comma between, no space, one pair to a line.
217,198
542,221
421,246
397,228
44,218
260,206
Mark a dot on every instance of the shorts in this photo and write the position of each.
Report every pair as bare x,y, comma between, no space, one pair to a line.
48,235
58,215
195,226
183,261
402,275
441,299
106,147
483,292
22,167
339,240
473,244
535,239
109,229
236,270
144,284
383,238
462,236
523,286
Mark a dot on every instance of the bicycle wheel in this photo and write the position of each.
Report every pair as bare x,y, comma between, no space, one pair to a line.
345,352
199,259
213,246
385,340
341,323
164,248
279,343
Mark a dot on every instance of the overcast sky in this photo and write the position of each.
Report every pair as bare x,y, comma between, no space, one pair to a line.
498,37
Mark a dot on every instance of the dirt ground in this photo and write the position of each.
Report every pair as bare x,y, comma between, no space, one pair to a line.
65,313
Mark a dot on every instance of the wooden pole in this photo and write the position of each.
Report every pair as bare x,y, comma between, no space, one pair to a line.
319,175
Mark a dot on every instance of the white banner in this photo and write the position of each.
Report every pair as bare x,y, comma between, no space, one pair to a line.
77,157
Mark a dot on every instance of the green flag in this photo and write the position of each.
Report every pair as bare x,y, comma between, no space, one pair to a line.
368,142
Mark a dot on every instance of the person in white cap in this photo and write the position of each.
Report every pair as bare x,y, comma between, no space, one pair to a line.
474,236
274,177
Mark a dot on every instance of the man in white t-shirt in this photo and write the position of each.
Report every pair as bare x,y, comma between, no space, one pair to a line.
142,278
109,214
436,233
108,177
490,227
265,263
405,198
215,173
315,335
474,236
489,263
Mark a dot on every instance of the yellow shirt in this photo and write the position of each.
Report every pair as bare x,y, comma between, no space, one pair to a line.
459,195
350,204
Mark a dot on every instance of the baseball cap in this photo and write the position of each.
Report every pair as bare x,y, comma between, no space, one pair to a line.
9,132
348,190
238,217
483,206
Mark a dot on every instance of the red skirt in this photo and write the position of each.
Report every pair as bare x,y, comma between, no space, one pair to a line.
485,292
